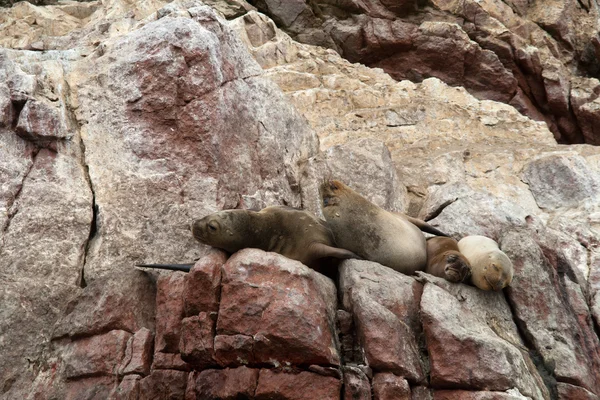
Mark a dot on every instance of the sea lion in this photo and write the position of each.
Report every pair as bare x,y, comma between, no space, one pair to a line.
372,232
293,233
445,261
491,269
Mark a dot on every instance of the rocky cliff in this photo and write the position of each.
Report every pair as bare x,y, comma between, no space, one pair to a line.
120,123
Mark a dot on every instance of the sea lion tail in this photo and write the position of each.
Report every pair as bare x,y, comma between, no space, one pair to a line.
172,267
425,227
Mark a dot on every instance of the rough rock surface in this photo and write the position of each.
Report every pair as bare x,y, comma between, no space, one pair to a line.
120,123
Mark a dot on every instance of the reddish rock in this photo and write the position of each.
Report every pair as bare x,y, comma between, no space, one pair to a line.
356,384
300,386
465,352
190,390
234,350
571,392
385,307
122,300
287,308
470,395
138,355
129,388
6,108
96,388
560,181
387,386
164,384
551,309
203,284
421,393
169,361
217,384
169,312
96,355
197,340
40,122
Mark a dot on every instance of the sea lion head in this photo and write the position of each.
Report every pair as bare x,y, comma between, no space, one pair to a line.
331,191
224,229
457,267
498,272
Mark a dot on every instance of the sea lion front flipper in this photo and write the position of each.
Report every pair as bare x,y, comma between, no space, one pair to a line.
424,226
172,267
321,250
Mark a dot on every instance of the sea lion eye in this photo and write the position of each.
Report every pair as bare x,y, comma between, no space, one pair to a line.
212,226
452,258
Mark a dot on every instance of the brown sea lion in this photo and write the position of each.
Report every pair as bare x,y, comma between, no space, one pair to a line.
445,261
491,269
372,232
293,233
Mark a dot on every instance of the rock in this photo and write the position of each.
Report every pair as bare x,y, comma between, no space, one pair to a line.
169,361
543,282
387,386
287,308
385,308
164,384
232,350
41,123
356,384
94,388
421,393
488,360
138,354
6,107
169,312
203,284
560,181
129,388
124,300
301,386
568,392
469,395
365,165
196,343
226,383
97,355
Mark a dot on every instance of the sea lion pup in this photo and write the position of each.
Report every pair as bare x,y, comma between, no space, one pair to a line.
445,261
491,269
372,232
293,233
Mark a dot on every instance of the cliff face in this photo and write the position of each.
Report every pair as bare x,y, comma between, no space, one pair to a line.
122,123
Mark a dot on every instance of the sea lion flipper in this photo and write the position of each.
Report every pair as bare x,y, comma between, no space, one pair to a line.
424,226
173,267
321,250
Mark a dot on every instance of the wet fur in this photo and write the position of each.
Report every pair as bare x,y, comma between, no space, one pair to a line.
370,231
491,269
444,260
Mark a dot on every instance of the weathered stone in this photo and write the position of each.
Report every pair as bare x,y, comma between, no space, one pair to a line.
556,320
138,355
6,108
213,384
387,386
287,308
385,305
572,392
169,312
97,355
234,350
129,388
41,123
487,360
196,343
203,284
421,393
93,388
169,361
164,384
561,180
356,384
300,386
471,395
123,300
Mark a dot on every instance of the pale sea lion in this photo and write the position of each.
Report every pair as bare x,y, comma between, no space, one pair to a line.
444,260
491,269
293,233
371,232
